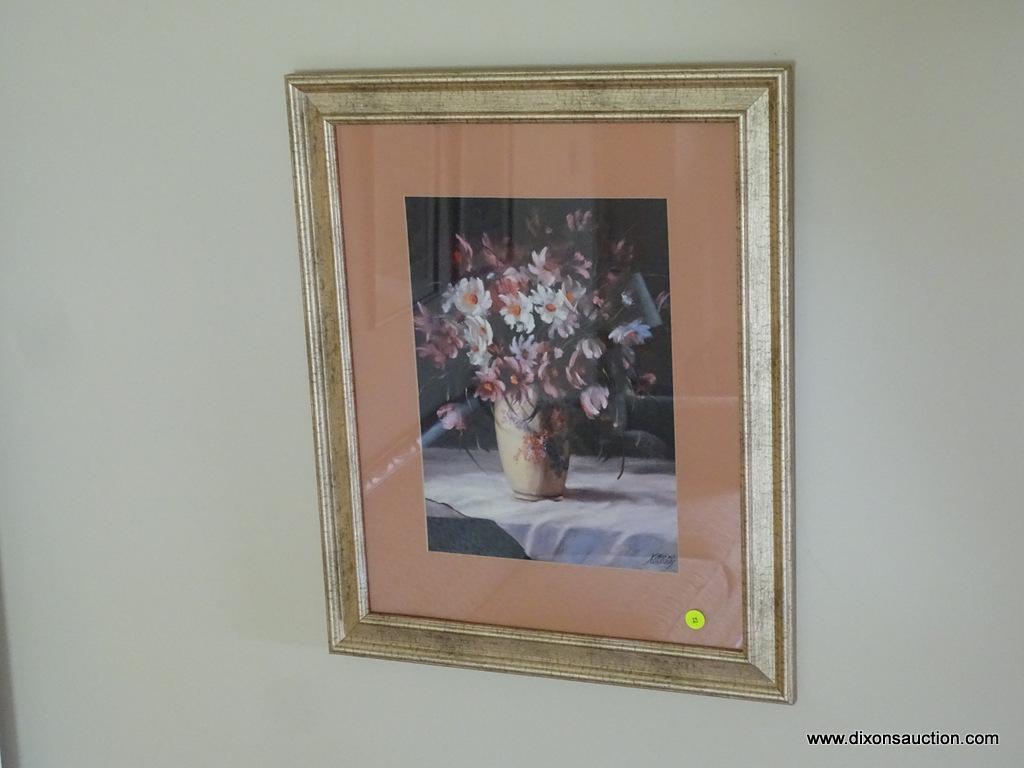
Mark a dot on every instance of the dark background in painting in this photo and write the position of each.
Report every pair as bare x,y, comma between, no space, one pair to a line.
432,226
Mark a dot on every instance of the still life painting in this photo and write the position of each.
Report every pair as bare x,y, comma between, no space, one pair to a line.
543,342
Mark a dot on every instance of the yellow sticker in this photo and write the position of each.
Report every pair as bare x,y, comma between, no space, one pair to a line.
694,619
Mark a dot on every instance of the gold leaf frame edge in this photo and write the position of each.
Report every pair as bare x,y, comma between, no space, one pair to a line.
759,99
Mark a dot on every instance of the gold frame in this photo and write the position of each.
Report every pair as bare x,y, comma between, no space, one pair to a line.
759,99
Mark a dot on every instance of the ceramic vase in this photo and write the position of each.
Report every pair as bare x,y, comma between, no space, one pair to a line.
533,444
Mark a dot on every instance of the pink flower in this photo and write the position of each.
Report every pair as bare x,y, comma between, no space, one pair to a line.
628,356
587,307
576,373
436,354
547,375
488,258
645,383
581,265
545,270
591,348
517,376
422,319
451,417
488,386
441,340
594,399
463,254
527,349
535,226
579,221
571,292
622,252
511,282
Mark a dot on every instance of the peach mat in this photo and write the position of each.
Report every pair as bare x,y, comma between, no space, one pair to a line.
693,166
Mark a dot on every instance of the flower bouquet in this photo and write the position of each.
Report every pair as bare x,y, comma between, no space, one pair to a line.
550,327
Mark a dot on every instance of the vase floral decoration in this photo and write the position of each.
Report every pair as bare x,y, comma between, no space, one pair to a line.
550,329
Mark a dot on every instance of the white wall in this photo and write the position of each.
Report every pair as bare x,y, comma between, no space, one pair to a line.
161,575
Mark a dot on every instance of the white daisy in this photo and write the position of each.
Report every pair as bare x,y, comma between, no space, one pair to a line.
478,335
471,298
548,304
517,311
565,325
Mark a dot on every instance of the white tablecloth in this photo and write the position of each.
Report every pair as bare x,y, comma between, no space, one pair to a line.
627,522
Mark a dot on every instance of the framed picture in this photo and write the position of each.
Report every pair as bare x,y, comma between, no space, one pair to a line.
549,333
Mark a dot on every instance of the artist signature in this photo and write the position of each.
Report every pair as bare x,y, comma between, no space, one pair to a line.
659,558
